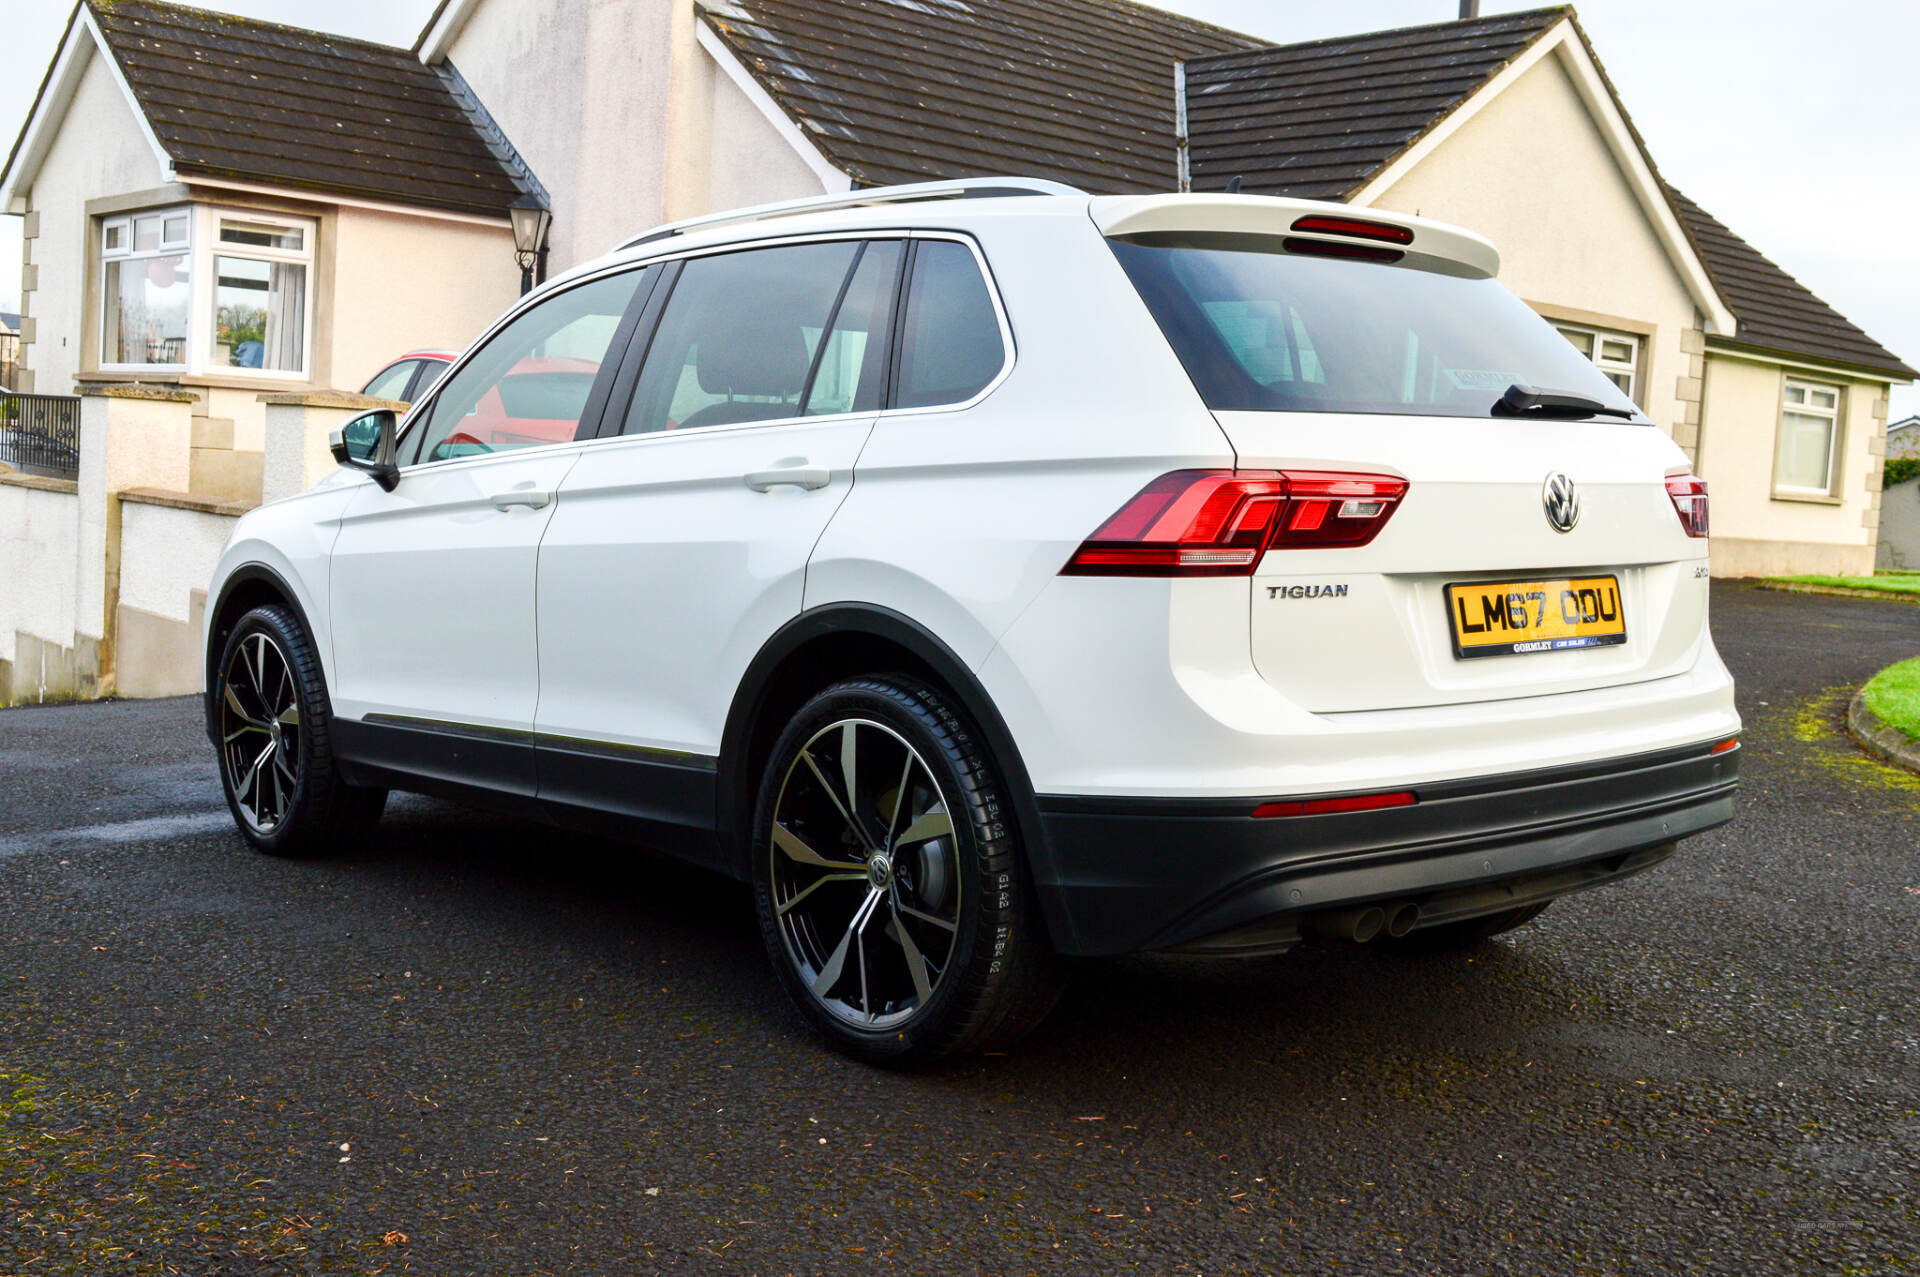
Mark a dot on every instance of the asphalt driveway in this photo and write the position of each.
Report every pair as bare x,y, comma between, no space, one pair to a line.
480,1046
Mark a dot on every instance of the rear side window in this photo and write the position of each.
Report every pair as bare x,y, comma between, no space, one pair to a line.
1262,329
950,345
738,337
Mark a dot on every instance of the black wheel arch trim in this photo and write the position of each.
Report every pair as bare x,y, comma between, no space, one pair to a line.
245,574
735,791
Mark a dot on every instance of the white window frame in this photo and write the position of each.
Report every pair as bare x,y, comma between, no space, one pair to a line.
126,252
202,246
1631,368
1835,416
212,218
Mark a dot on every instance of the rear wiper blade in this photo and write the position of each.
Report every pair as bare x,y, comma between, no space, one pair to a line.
1532,401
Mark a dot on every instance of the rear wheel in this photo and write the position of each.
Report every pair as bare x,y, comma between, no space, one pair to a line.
1468,931
887,872
275,738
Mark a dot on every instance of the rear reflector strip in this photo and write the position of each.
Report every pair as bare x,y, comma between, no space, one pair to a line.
1329,806
1724,747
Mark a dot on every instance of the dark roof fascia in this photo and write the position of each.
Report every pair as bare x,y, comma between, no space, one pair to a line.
433,20
40,93
1897,372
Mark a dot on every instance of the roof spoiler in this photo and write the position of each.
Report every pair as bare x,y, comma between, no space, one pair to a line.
960,188
1128,216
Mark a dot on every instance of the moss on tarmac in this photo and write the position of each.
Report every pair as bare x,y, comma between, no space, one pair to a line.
89,1185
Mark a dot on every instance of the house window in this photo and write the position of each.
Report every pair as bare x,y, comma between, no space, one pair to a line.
1809,436
200,290
147,290
259,302
1616,355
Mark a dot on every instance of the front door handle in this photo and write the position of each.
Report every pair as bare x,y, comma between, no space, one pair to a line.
532,500
800,476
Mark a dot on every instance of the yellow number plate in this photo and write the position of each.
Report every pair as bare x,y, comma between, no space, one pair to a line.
1502,618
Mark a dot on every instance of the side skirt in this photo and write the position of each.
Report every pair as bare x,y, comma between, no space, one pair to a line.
661,799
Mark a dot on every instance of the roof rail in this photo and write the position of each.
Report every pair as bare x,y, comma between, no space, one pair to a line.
959,188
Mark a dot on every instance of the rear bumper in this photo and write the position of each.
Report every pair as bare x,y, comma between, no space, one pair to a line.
1125,874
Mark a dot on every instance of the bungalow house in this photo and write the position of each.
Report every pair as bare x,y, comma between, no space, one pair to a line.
1903,439
236,208
232,208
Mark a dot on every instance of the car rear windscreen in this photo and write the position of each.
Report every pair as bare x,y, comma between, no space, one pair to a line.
1263,329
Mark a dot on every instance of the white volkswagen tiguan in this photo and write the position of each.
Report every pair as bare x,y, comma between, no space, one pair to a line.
988,572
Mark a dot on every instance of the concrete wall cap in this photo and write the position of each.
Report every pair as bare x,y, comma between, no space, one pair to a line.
332,399
135,390
39,483
186,501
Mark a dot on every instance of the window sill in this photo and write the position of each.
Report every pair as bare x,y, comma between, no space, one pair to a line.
162,375
1808,498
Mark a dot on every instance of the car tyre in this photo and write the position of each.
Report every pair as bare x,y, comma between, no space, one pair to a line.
1468,931
273,727
889,880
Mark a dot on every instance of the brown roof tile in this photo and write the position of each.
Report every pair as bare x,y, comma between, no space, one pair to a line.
259,102
1317,120
1080,91
1774,311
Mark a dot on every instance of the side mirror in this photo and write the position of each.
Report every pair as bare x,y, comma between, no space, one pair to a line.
367,443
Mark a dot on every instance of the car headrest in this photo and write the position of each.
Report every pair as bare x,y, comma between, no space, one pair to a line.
751,348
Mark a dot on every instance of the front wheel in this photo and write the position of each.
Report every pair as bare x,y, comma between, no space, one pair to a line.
889,882
274,722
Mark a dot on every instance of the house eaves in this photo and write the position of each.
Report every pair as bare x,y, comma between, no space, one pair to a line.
237,102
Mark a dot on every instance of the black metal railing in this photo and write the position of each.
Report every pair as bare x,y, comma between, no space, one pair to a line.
40,434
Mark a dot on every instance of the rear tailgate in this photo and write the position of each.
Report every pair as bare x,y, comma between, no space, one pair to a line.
1370,627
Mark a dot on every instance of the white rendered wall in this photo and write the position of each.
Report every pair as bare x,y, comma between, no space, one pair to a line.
98,152
581,88
166,554
1756,533
39,542
404,283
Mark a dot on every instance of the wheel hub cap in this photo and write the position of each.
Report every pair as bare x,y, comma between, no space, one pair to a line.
880,870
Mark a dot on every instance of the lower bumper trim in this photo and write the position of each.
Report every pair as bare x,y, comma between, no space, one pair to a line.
1122,875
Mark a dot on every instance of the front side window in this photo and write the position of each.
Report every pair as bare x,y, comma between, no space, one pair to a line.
1616,355
260,296
950,342
146,291
1262,328
1809,430
738,337
529,385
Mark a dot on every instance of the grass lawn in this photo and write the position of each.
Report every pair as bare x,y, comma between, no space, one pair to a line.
1894,696
1898,583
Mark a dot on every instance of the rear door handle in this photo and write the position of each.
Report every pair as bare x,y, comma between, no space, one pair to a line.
532,500
802,476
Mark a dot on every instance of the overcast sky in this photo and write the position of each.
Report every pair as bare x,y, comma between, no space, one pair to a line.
1797,125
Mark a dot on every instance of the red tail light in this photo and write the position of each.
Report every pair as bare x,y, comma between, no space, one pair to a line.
1219,522
1689,493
